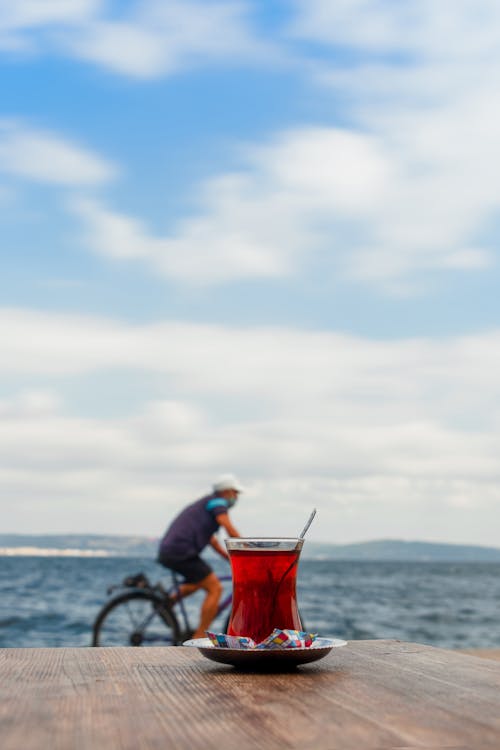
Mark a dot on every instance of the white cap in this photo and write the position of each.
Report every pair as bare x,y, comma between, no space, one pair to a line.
227,482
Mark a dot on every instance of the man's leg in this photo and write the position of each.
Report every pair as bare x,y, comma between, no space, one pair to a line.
183,590
213,587
190,568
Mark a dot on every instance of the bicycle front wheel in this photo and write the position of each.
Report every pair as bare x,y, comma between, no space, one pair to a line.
136,618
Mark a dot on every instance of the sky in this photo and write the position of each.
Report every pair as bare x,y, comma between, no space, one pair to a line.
258,238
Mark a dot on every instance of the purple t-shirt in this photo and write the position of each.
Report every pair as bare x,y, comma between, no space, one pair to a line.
193,528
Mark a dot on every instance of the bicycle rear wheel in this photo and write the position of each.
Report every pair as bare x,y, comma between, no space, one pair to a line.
136,618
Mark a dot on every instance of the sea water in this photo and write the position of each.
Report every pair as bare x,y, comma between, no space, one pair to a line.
53,601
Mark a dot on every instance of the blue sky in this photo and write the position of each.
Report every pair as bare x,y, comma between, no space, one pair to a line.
251,237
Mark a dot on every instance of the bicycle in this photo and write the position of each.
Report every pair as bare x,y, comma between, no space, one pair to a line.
142,614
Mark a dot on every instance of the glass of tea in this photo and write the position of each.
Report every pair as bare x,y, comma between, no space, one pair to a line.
264,585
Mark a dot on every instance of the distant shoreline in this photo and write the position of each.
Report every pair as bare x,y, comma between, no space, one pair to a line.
53,552
380,550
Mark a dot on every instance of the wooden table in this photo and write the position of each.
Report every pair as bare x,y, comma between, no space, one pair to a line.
368,694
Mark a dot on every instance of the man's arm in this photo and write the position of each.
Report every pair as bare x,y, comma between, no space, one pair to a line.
214,542
226,524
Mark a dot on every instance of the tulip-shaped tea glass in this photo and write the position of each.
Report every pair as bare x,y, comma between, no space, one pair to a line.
264,585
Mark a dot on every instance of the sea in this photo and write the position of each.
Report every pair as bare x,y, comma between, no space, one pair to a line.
53,601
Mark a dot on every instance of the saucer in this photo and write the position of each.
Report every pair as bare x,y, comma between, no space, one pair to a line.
265,657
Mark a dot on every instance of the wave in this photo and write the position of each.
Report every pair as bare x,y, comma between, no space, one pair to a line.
52,552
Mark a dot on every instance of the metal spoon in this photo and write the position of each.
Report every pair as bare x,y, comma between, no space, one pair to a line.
293,563
309,522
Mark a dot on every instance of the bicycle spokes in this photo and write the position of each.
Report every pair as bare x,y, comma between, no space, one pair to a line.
133,620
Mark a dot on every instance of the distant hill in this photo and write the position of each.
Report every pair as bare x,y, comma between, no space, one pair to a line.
397,549
139,546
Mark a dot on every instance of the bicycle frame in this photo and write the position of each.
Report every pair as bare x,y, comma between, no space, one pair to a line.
174,616
175,588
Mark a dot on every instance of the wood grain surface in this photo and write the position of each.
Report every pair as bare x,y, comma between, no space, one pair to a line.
369,694
484,653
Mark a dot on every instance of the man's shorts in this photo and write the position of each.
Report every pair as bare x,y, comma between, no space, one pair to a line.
194,569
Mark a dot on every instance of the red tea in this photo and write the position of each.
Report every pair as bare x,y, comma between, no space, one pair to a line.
264,592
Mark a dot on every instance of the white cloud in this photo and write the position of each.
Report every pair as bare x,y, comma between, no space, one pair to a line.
331,170
450,27
38,403
407,429
22,22
45,157
124,48
204,251
421,80
162,38
262,222
381,210
145,40
24,13
411,189
281,365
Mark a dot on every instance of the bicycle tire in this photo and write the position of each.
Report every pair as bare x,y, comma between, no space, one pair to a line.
118,623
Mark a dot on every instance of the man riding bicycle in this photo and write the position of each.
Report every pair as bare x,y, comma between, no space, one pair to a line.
189,533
